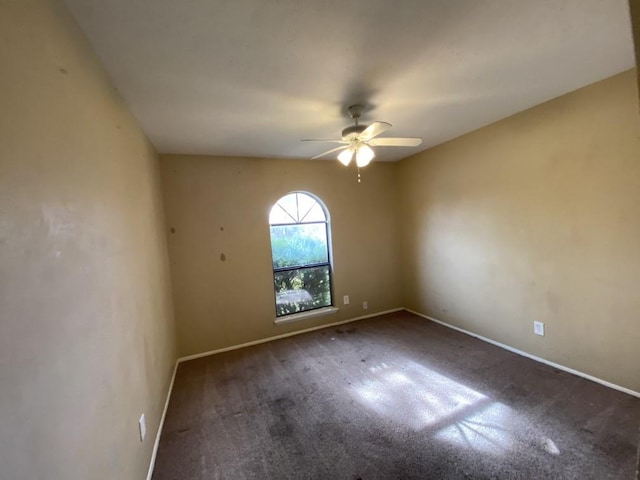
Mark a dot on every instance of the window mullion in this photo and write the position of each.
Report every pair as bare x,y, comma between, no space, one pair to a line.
300,267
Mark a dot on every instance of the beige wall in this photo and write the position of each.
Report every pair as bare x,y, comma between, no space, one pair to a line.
222,303
536,217
86,334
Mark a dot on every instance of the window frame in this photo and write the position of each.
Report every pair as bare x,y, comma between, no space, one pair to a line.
315,311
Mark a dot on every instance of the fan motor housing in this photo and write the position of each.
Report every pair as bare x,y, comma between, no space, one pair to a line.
353,131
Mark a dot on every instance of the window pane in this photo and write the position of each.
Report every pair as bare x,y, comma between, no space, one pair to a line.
296,208
302,289
308,209
299,245
286,209
278,215
315,214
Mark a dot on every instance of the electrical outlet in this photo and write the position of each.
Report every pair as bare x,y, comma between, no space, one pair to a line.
538,328
365,305
142,425
345,299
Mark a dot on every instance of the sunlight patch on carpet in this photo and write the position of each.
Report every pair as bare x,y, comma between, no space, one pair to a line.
419,398
413,395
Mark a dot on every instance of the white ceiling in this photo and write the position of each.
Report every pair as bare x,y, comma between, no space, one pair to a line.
253,77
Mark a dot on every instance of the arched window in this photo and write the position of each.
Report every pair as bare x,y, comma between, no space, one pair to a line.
300,245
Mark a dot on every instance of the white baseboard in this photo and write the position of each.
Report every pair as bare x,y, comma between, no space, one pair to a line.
284,335
528,355
156,443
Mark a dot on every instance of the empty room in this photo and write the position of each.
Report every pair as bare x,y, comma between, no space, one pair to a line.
251,239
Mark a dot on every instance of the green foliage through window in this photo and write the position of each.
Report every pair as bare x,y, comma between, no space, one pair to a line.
302,289
299,245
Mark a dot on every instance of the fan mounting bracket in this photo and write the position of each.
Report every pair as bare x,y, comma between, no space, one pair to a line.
355,111
351,132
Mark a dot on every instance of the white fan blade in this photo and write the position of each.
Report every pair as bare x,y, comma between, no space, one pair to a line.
373,130
323,140
329,151
395,142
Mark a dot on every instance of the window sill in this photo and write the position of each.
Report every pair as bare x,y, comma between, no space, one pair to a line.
296,317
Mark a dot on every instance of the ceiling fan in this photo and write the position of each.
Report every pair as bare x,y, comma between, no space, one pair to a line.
357,140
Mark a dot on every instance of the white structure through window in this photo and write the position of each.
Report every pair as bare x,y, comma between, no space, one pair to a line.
300,250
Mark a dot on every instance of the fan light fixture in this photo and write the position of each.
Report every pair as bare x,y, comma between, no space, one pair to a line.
363,153
345,157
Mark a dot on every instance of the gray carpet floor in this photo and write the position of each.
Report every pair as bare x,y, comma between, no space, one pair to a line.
392,397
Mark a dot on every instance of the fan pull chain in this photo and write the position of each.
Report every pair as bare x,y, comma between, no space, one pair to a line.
359,175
